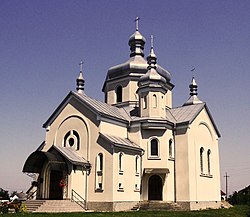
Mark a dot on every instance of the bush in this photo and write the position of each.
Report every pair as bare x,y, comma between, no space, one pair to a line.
4,208
23,208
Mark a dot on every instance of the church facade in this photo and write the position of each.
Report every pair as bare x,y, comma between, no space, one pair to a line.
134,146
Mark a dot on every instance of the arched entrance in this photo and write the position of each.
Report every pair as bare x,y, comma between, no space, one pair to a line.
55,189
155,188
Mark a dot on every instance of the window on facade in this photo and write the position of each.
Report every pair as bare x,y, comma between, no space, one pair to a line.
99,171
170,148
154,147
119,94
120,161
209,161
136,164
72,139
201,160
154,101
145,102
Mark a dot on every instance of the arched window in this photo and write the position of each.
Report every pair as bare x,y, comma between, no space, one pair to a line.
201,159
137,164
119,93
170,148
100,162
154,101
154,149
99,172
145,102
72,139
120,161
208,161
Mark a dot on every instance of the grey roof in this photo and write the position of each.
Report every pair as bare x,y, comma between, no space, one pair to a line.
120,142
101,107
71,155
185,113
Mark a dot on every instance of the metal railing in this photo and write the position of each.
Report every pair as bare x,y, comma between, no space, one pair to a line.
75,197
32,195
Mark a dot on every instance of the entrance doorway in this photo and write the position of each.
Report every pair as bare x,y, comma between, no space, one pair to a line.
55,190
155,188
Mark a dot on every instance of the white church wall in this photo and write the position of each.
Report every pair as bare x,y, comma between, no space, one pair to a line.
125,177
77,183
182,165
207,185
129,88
158,162
105,193
112,129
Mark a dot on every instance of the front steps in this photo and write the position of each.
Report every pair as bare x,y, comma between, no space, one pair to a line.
52,206
156,206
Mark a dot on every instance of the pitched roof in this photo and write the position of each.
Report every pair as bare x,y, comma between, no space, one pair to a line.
121,142
186,114
101,108
71,155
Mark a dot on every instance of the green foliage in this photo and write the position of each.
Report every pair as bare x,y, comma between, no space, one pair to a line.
4,195
237,211
23,208
240,197
4,208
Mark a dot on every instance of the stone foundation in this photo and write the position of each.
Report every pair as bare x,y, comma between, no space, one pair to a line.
198,205
111,206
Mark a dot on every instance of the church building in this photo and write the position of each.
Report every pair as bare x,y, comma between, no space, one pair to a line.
132,148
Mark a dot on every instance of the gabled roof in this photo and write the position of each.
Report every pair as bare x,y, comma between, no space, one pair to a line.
186,114
121,142
71,155
98,107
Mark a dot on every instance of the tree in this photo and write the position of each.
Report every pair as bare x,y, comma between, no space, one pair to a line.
4,195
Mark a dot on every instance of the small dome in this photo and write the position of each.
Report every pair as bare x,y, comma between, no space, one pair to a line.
153,76
163,72
137,36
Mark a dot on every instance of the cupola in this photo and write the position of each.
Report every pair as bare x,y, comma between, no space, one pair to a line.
80,80
193,99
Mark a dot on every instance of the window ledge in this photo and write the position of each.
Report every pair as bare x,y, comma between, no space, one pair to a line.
137,174
171,158
120,172
120,190
206,175
99,190
137,190
154,158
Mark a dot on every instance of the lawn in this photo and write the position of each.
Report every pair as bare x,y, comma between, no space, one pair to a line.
237,211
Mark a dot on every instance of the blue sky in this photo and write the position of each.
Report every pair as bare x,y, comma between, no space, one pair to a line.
42,43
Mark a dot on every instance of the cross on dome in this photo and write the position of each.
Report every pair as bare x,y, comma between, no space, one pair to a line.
137,23
152,41
81,64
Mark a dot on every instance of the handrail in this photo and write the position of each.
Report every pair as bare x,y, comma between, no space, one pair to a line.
75,197
29,197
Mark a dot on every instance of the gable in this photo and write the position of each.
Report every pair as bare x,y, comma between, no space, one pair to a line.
185,115
98,108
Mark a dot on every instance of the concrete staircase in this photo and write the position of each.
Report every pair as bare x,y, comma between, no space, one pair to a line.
156,206
53,206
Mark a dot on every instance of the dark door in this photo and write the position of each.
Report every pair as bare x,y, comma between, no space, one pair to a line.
55,189
155,188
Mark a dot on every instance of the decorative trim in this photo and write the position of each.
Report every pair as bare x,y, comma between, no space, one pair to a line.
206,175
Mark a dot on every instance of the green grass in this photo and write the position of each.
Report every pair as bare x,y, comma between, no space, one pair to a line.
237,211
